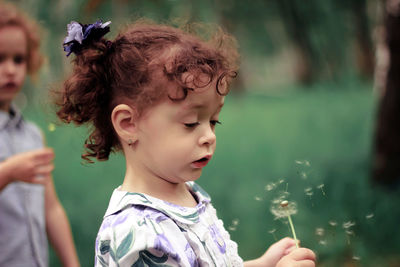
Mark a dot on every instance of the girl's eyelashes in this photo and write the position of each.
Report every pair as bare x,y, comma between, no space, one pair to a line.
194,124
191,125
215,122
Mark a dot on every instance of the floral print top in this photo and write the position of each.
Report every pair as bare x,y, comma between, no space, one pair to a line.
140,230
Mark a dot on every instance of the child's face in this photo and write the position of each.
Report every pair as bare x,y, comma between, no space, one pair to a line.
13,64
177,139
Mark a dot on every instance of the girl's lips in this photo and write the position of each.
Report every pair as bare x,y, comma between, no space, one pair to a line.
201,162
9,86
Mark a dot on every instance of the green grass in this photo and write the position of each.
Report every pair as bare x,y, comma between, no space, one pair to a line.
259,141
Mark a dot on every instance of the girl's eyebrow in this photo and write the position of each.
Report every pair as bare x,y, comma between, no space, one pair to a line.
188,109
199,106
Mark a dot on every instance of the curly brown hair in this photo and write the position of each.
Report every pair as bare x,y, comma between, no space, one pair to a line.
143,65
12,16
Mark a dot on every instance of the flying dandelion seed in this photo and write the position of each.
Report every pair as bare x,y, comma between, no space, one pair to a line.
323,242
369,216
332,223
234,224
319,231
303,175
257,198
281,181
272,232
321,187
303,162
308,191
348,234
51,127
347,225
356,258
270,187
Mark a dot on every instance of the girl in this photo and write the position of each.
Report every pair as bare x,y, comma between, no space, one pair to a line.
155,92
29,207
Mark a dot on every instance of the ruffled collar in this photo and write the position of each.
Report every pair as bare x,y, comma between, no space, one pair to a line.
122,199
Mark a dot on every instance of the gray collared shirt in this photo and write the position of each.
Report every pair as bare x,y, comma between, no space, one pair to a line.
23,240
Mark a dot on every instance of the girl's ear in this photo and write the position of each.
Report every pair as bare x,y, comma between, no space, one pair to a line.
124,120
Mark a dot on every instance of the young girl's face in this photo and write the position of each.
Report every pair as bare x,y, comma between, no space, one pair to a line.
13,64
177,139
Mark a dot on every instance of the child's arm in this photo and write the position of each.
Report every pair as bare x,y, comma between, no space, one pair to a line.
284,254
30,167
58,228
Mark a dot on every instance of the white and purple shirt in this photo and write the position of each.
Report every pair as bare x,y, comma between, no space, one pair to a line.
140,230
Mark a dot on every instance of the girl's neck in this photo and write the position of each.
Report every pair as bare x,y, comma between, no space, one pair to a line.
175,193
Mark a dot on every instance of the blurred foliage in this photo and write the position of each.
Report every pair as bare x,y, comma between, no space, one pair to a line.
268,136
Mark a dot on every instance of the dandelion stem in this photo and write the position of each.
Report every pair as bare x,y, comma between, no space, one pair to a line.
293,231
284,205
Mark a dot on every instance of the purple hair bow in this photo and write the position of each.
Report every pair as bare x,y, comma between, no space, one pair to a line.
80,35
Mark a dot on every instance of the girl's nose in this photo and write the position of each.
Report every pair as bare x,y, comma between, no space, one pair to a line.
208,137
9,67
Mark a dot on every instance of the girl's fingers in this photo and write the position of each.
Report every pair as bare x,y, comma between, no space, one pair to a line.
44,156
44,169
40,179
303,254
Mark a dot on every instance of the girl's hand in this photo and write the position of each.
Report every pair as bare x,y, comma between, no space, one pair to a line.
284,254
299,257
31,167
276,251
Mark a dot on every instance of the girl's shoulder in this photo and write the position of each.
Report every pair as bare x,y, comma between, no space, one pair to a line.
139,205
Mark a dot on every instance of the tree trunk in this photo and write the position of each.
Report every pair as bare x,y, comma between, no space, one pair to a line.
386,165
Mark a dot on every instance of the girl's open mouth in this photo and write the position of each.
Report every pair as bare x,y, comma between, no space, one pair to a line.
201,162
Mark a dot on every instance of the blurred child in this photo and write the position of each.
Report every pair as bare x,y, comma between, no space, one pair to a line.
29,208
155,92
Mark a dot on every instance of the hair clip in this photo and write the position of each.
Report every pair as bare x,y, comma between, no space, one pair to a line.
79,35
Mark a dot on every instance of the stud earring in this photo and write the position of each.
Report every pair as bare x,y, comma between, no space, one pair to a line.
130,142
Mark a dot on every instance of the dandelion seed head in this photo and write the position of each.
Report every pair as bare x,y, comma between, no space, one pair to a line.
282,212
235,222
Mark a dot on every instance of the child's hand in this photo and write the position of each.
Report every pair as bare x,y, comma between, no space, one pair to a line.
32,167
299,257
284,254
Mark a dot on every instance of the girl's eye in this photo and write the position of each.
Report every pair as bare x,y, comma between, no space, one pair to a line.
191,125
215,122
19,59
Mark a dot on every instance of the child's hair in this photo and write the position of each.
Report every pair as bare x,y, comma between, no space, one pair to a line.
142,66
11,16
